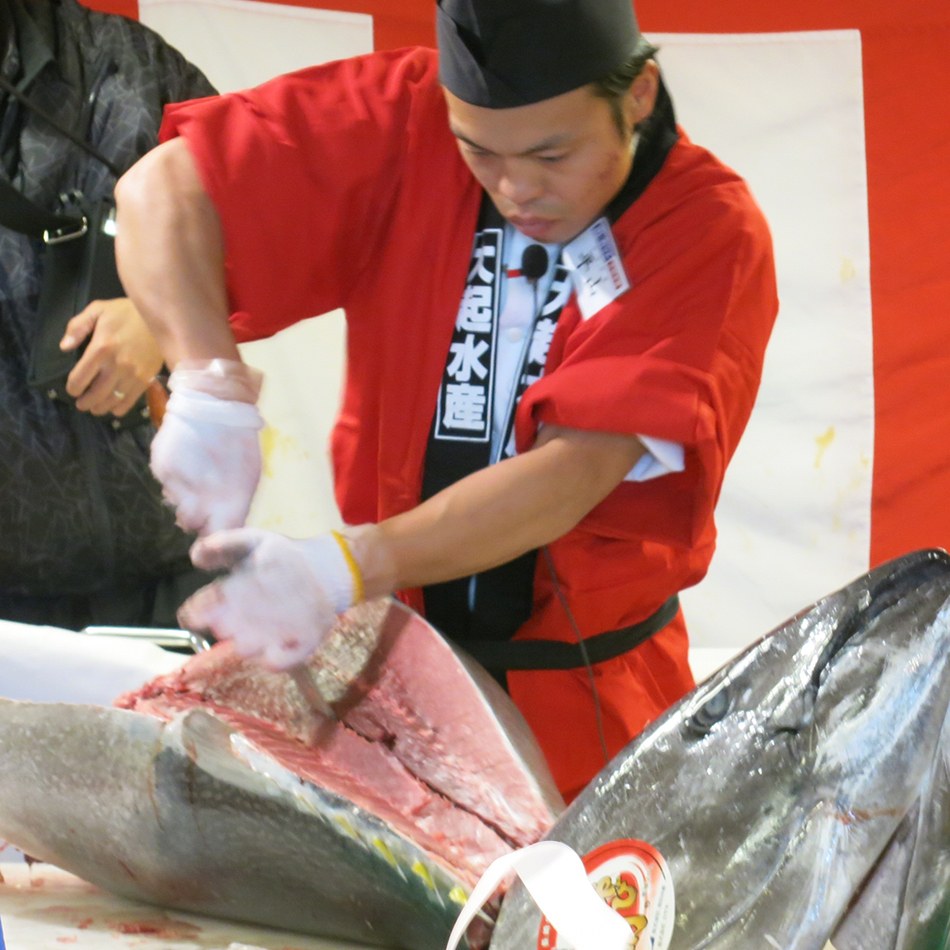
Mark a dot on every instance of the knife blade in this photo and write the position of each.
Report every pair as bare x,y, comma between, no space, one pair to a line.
301,674
306,682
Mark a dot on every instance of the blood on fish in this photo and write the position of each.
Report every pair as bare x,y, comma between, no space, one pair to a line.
162,927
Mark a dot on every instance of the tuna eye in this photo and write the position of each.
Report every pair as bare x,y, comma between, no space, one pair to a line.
711,712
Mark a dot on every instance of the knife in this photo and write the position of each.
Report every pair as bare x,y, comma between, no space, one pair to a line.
306,682
197,641
171,638
200,640
303,677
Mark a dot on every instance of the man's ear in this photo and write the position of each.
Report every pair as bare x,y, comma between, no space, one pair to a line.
641,96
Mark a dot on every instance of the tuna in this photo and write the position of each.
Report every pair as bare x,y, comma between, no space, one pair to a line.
211,790
802,793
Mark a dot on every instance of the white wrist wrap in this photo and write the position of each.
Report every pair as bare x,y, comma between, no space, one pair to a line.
328,563
205,408
226,379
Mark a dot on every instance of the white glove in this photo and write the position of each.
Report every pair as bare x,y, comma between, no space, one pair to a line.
282,597
207,453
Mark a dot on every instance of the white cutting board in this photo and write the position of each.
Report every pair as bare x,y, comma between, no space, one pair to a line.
42,907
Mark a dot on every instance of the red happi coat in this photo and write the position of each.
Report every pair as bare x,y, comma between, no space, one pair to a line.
341,186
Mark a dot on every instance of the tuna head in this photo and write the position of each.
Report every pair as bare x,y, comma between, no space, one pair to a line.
773,788
210,792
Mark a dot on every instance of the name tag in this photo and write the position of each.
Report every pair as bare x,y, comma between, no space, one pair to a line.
596,268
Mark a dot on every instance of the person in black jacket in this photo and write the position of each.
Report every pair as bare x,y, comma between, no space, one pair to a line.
85,537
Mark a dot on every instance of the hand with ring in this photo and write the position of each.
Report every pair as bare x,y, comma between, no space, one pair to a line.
121,357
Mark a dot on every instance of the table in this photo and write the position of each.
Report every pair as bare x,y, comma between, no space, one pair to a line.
43,907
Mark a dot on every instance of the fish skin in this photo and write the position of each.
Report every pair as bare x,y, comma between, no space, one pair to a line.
925,920
191,813
773,789
905,901
173,817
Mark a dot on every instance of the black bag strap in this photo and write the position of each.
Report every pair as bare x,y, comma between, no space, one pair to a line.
25,100
18,213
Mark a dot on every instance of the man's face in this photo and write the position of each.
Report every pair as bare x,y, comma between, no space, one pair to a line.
551,167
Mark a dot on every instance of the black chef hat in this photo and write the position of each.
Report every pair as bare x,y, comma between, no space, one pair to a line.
503,53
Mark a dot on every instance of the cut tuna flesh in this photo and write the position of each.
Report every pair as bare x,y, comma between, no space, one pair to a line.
426,740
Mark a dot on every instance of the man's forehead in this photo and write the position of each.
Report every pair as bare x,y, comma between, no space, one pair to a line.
522,129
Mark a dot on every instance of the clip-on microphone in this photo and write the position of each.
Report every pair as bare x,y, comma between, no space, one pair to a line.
534,262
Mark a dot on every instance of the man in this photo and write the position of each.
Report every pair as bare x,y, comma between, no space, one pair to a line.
572,380
86,538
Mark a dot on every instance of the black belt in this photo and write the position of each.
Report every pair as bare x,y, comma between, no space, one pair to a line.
558,655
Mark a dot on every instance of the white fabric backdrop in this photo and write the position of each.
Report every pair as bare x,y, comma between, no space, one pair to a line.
786,111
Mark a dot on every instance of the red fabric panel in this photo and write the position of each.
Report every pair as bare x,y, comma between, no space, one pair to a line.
396,23
738,16
907,94
129,8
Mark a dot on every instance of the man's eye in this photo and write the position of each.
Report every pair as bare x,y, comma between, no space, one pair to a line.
551,158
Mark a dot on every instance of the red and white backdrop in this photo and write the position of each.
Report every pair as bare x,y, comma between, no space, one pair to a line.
836,114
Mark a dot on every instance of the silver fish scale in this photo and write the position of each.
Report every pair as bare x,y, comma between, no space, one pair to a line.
773,789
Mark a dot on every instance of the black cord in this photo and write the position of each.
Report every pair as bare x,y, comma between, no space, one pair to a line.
582,646
598,712
534,264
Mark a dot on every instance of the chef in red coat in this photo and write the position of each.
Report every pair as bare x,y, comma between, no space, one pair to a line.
557,311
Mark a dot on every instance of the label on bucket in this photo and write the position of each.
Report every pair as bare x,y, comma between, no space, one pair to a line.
633,879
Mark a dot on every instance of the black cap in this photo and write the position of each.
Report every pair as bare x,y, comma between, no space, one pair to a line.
504,53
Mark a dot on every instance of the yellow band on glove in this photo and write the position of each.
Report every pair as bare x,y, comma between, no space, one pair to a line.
359,589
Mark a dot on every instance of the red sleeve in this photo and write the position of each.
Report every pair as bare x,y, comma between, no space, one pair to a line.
678,356
302,171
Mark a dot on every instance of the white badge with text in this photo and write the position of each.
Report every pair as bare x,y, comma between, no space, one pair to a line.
596,268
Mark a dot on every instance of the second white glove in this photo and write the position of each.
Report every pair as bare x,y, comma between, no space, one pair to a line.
281,598
207,457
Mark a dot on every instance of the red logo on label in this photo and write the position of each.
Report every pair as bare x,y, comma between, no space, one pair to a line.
632,878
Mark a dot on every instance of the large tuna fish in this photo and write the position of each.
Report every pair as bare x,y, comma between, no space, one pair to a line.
801,793
217,792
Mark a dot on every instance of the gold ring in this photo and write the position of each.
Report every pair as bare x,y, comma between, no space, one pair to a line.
118,394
